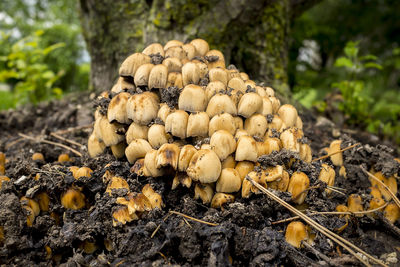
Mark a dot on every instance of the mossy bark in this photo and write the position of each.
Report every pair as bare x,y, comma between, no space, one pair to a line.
252,34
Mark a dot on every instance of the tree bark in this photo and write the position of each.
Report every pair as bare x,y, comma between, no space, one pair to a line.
252,34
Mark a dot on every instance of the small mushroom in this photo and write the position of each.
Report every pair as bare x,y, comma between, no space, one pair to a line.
204,166
198,124
168,155
296,232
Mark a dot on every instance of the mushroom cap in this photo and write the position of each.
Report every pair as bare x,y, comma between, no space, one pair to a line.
204,166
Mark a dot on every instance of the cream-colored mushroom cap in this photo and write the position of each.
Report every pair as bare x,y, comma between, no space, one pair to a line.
117,108
204,192
197,124
136,131
168,155
163,112
243,168
246,149
222,143
266,107
201,47
173,64
192,98
238,84
190,73
204,166
229,162
142,74
337,159
172,43
327,175
190,50
176,51
176,123
142,108
157,135
223,121
256,125
288,114
111,133
132,63
95,147
295,233
153,49
218,74
137,149
219,104
220,199
185,156
150,164
214,88
298,184
118,150
249,104
229,181
158,76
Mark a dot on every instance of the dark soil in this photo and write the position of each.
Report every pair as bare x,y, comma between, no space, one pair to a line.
245,235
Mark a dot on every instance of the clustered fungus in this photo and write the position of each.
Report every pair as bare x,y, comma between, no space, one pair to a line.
189,117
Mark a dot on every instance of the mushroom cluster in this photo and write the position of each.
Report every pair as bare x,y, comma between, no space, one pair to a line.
178,111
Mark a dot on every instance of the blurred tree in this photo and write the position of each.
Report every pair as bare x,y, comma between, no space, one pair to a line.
252,34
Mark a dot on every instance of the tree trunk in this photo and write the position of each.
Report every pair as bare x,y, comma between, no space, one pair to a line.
252,34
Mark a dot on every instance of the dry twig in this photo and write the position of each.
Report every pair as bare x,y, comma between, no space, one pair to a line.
72,142
192,218
74,129
338,239
333,213
339,151
51,143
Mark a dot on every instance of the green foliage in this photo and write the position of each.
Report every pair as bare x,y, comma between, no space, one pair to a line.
355,100
23,66
359,80
57,22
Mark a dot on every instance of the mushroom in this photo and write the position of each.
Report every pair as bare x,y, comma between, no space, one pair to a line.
219,104
246,149
153,49
249,104
201,47
137,149
204,192
223,144
298,186
296,232
204,166
192,99
197,124
132,63
229,181
142,108
176,123
168,155
157,135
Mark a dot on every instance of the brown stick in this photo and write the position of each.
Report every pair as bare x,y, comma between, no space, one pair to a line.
333,213
51,143
339,151
72,142
395,199
74,129
192,218
338,239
